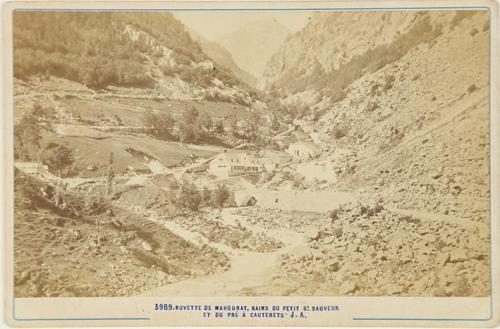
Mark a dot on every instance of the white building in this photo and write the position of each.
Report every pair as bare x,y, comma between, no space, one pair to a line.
234,163
31,167
304,150
238,163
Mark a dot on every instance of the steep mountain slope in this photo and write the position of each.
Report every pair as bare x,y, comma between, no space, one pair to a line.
223,58
253,44
416,121
329,53
145,50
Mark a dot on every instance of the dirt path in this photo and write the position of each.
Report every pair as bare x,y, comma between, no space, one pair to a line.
433,217
248,269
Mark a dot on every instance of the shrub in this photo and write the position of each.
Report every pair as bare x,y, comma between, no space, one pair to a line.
220,196
372,106
473,32
95,204
58,157
207,196
339,132
27,134
188,197
333,214
337,232
374,89
72,203
472,88
389,82
417,77
205,123
159,125
188,133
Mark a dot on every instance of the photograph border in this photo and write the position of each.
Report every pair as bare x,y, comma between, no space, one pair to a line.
8,78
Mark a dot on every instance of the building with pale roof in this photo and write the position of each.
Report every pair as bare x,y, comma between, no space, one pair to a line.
304,150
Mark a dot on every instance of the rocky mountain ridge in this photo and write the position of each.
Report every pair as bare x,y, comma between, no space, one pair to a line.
417,125
327,51
223,58
253,44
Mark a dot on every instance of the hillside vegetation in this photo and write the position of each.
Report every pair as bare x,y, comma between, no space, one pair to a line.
100,49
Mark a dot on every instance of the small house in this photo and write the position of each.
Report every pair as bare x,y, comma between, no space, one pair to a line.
304,150
234,163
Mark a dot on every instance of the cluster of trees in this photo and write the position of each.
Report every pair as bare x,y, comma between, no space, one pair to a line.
27,135
82,47
189,197
192,126
285,112
58,157
92,48
246,129
27,146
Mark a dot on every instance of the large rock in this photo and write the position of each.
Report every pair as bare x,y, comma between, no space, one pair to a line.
146,246
458,255
348,287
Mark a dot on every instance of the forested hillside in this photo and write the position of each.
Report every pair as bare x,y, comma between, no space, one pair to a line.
105,48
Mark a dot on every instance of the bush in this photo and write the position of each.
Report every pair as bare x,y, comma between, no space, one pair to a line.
188,133
374,89
333,214
205,123
473,32
472,88
207,196
219,128
389,82
27,134
339,132
372,106
58,157
220,196
189,197
96,204
159,125
337,232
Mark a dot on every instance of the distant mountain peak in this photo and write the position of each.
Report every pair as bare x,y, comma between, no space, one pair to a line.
254,44
222,57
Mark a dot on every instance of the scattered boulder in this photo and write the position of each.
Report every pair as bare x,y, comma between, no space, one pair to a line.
348,287
458,255
146,246
443,258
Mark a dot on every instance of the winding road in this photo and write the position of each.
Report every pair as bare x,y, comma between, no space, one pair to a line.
248,269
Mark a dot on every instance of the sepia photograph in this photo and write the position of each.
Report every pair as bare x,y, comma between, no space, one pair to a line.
251,153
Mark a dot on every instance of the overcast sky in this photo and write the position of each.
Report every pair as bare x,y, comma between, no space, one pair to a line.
214,24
